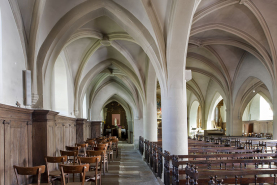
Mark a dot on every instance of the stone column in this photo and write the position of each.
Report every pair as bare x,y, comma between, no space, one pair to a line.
138,131
274,112
130,129
174,102
174,127
150,108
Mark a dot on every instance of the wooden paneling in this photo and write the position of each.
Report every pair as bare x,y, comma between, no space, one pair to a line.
80,136
15,139
83,130
96,129
27,136
69,131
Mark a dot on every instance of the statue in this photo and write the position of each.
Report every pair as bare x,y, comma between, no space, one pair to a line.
115,122
18,104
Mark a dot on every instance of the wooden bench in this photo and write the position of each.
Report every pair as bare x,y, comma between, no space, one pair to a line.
190,175
167,158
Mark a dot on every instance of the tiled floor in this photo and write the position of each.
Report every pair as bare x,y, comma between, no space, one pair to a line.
128,169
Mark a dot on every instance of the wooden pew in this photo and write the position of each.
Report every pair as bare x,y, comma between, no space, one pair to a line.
167,158
141,144
192,174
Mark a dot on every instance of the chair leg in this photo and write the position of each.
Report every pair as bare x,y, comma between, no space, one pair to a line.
104,168
107,167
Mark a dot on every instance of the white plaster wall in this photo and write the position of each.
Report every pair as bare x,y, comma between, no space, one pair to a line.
13,61
61,91
245,116
193,115
255,108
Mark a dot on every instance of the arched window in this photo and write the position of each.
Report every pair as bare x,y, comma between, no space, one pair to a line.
60,87
257,109
217,113
194,117
85,107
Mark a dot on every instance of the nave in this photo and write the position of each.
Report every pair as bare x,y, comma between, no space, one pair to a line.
170,71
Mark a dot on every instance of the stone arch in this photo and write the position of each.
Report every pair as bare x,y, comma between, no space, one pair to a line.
193,115
65,27
82,88
216,99
105,94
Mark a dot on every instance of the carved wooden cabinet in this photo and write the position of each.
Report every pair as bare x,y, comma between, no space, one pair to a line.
15,141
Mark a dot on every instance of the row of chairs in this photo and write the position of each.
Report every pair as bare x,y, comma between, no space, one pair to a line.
85,159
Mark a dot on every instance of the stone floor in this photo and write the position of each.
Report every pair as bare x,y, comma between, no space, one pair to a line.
128,168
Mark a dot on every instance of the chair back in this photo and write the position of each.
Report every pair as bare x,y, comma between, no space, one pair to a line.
88,160
82,145
100,148
92,153
72,148
61,159
81,169
73,154
91,143
36,170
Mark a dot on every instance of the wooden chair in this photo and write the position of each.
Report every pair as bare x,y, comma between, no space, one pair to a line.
115,146
91,143
55,174
69,154
109,150
36,170
72,148
92,153
83,146
94,175
81,169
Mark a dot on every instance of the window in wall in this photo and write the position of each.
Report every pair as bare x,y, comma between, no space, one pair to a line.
266,112
193,117
213,117
257,109
60,87
85,107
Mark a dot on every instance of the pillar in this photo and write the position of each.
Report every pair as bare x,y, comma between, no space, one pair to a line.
130,129
274,112
174,115
174,102
138,131
150,108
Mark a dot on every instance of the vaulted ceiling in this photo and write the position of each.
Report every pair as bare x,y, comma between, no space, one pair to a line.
101,50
